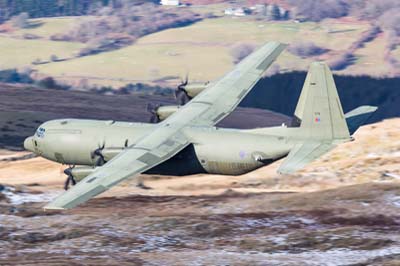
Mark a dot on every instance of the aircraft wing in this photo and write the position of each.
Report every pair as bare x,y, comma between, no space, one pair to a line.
168,138
302,154
154,149
220,99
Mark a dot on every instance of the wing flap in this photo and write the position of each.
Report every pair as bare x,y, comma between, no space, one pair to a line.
302,154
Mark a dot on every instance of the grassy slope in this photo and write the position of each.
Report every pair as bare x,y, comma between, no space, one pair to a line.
15,53
147,62
370,58
203,49
45,27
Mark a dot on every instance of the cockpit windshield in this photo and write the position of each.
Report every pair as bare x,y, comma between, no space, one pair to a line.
40,132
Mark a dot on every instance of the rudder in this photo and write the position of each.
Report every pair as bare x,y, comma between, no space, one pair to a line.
319,110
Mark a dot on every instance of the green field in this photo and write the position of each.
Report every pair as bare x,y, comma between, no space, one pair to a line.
17,53
45,27
146,63
202,49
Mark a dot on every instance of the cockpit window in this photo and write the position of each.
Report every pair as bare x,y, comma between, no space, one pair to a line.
40,132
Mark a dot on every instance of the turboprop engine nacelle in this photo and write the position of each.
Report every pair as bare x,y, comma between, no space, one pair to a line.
187,91
80,172
193,89
164,112
161,112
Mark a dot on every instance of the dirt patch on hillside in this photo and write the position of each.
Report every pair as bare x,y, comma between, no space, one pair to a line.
206,230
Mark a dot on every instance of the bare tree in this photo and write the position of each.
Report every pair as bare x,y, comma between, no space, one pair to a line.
121,24
321,9
342,61
306,49
20,21
390,20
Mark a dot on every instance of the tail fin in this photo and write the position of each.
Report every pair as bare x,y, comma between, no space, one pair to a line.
319,111
321,119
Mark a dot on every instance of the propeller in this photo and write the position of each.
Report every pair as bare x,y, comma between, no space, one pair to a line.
152,109
97,153
70,178
180,93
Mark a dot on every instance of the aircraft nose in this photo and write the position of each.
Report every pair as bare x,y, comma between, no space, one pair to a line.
28,144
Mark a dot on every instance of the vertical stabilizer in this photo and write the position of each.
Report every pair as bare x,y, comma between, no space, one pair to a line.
321,119
319,107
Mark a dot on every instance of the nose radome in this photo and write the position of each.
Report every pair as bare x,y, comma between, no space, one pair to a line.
28,144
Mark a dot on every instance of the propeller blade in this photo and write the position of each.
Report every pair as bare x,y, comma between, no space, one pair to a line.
73,180
154,119
67,182
186,79
184,82
180,93
181,97
100,161
70,178
98,152
152,109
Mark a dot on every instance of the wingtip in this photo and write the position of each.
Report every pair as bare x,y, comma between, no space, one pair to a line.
53,208
284,170
277,43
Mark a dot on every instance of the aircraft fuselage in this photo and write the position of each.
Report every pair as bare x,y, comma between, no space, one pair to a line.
213,150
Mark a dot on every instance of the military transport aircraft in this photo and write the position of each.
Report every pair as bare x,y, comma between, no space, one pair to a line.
186,141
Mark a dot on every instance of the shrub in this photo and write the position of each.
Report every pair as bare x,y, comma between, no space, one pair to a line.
21,20
321,9
240,51
306,49
13,76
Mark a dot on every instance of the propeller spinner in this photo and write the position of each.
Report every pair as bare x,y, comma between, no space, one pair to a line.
152,109
70,178
180,93
98,153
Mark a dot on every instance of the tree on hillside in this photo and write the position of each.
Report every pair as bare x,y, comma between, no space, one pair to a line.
276,12
306,49
321,9
48,8
390,21
20,21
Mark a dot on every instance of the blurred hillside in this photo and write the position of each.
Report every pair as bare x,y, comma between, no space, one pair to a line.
281,92
115,42
143,49
325,215
24,108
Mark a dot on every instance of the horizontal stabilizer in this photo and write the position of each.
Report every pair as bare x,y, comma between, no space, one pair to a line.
357,117
302,154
